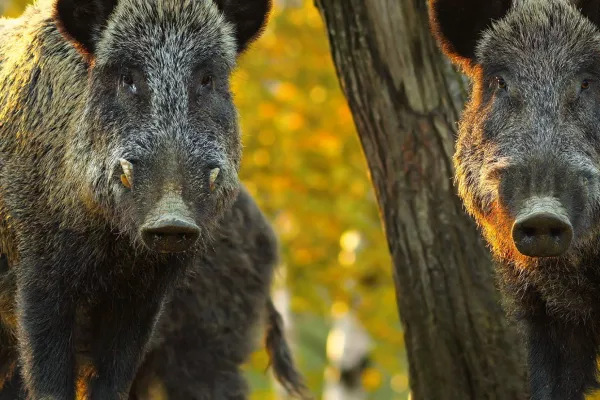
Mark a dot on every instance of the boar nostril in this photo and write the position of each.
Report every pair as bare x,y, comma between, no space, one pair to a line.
542,234
170,235
528,231
556,232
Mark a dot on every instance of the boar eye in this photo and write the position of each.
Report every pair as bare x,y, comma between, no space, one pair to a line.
127,82
585,84
207,81
501,83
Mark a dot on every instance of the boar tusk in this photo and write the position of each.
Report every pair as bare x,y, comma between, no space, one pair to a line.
127,176
214,173
125,181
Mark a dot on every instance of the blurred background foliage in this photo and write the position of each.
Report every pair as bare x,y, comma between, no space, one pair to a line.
304,165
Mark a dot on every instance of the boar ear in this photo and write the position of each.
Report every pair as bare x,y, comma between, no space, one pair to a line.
591,9
249,18
458,24
81,21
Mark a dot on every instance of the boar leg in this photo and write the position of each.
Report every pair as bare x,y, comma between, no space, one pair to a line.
562,358
46,321
120,332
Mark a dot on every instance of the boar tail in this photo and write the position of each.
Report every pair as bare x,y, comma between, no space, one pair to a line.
281,358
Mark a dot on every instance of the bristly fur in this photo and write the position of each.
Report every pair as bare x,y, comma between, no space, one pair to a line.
210,324
535,135
209,327
84,85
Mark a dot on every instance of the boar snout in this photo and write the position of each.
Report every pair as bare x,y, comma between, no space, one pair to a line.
169,227
542,228
170,235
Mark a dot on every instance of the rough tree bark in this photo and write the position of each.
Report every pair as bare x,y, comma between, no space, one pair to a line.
405,100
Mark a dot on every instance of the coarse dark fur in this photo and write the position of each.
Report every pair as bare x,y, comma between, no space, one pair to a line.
210,324
532,129
84,84
207,329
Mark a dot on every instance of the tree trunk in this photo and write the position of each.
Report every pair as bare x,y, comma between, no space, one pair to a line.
405,100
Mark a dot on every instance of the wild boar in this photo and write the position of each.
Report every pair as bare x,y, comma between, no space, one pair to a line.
527,169
119,154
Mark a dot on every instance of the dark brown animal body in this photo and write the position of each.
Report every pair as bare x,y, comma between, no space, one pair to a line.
209,325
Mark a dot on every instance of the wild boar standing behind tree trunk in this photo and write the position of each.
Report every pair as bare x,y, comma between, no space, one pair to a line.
528,170
119,154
